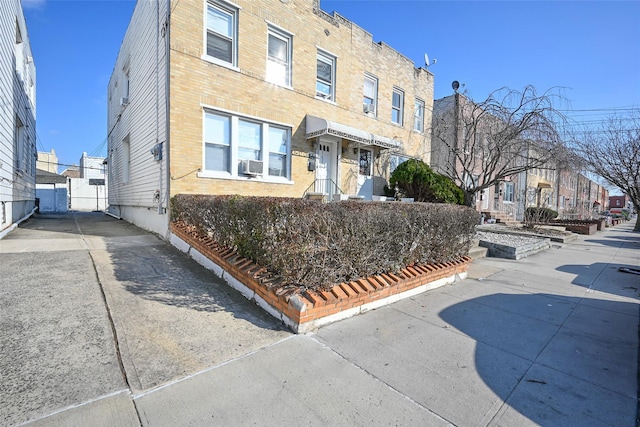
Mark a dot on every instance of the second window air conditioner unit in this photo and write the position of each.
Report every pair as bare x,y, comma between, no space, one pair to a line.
124,101
252,167
368,108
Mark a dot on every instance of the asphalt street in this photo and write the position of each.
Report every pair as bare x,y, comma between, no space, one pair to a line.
104,324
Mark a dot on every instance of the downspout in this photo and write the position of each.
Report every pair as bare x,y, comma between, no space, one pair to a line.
167,49
158,103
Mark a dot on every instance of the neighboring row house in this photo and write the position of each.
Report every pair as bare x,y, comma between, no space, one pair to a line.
17,117
256,97
463,149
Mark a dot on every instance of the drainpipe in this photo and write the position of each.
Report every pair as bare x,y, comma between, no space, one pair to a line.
167,48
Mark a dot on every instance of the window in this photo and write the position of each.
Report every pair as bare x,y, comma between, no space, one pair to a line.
19,53
125,91
126,160
397,105
418,118
366,162
221,32
217,142
249,140
278,151
326,76
395,161
228,140
279,58
370,99
508,192
19,145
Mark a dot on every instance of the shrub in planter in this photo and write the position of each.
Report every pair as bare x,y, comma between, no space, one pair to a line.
310,244
414,178
539,215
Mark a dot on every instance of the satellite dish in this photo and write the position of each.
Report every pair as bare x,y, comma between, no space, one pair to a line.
427,62
455,85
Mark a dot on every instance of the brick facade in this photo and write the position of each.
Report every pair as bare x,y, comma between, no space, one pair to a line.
197,84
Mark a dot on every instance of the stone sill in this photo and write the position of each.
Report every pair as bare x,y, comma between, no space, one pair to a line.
306,310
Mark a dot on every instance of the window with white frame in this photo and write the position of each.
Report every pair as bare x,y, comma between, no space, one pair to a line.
278,151
126,160
249,140
221,43
229,139
19,145
370,99
395,161
366,162
217,142
418,117
508,192
279,57
325,76
397,106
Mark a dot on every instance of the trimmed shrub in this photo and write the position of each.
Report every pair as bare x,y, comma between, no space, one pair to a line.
540,214
310,244
414,178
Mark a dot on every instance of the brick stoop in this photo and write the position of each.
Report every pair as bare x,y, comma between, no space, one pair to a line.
306,310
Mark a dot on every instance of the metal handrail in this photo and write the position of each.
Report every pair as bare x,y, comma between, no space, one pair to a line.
327,186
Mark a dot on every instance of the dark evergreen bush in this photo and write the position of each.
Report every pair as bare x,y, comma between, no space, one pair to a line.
312,244
414,178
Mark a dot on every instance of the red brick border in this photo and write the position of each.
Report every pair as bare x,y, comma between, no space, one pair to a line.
304,308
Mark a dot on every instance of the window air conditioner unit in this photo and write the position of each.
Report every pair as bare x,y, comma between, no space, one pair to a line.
124,101
368,108
252,167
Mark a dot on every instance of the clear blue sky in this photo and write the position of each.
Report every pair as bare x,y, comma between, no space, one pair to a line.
590,48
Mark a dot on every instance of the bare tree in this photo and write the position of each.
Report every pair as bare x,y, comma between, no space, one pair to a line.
613,152
478,145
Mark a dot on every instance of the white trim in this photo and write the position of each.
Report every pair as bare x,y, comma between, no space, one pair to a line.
247,116
206,174
232,173
327,52
216,61
279,28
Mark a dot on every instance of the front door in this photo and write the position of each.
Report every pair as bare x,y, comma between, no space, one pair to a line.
326,168
365,174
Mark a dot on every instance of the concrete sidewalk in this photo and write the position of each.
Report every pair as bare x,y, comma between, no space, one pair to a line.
104,324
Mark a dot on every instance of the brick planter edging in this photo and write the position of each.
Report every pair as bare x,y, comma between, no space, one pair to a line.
305,311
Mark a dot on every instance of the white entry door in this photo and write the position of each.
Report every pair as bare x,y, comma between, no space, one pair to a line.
365,174
326,167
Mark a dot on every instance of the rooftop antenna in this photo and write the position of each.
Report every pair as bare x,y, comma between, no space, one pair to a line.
427,63
455,85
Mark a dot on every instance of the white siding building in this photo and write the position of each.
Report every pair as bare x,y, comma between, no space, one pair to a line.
136,121
17,117
89,191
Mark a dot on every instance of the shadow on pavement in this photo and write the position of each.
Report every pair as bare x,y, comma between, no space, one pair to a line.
610,278
581,356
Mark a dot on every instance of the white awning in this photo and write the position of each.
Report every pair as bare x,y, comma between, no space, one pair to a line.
316,126
384,142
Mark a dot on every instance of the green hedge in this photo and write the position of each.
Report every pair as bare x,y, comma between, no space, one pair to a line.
314,245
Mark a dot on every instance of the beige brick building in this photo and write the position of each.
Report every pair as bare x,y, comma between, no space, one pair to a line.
257,97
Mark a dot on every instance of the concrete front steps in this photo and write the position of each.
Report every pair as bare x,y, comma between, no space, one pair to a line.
476,251
500,217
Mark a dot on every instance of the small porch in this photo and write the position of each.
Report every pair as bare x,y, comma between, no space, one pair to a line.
344,160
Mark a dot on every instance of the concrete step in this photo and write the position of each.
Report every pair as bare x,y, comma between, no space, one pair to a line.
476,252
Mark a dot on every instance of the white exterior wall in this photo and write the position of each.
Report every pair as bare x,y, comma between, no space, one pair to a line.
137,182
17,105
85,197
92,167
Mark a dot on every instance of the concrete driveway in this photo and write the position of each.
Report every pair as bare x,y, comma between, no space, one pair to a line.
104,324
